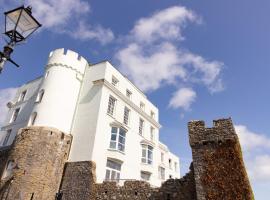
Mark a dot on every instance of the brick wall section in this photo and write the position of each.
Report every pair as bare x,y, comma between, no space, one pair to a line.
78,181
4,152
218,164
39,155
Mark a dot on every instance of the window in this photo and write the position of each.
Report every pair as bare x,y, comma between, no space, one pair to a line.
22,96
40,96
128,94
175,167
126,116
7,137
152,134
170,176
145,176
142,105
15,115
118,139
113,170
147,154
9,169
114,81
111,105
32,119
170,163
152,115
161,173
141,126
47,74
162,157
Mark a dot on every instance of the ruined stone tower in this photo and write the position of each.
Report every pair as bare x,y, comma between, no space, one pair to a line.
34,165
218,164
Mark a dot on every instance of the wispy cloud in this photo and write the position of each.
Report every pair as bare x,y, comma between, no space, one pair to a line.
183,98
152,55
66,17
256,149
6,95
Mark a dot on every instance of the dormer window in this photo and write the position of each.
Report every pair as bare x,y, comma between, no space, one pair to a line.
128,94
142,105
22,96
152,114
114,81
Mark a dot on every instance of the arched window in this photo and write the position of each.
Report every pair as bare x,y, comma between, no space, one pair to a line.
32,119
40,96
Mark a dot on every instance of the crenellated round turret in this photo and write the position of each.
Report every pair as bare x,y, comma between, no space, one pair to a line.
59,91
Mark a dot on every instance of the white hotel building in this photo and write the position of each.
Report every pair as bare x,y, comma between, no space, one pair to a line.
112,122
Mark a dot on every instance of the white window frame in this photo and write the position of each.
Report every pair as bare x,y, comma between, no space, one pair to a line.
113,171
128,94
145,176
170,163
152,114
161,173
9,131
152,133
115,81
126,115
162,157
40,96
22,96
15,115
142,106
175,166
118,139
32,119
111,105
141,126
147,154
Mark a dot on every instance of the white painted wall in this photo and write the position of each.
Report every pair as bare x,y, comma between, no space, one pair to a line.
65,71
76,101
25,106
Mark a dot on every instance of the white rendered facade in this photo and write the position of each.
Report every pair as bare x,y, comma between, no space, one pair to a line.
112,121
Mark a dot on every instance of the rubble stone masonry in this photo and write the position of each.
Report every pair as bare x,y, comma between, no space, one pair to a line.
36,161
40,171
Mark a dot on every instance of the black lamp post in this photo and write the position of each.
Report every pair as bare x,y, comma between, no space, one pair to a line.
19,25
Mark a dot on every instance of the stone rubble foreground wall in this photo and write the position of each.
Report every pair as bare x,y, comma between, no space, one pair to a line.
218,164
79,183
217,172
39,155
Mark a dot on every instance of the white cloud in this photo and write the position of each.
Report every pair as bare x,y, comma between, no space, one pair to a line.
66,17
256,150
259,168
87,32
152,56
250,140
183,98
6,95
166,24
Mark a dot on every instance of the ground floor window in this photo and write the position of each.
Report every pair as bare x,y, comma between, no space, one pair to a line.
113,170
145,176
161,173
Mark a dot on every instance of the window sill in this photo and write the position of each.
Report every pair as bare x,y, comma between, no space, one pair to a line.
118,151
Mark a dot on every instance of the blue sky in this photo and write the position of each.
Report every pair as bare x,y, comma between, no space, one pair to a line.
194,59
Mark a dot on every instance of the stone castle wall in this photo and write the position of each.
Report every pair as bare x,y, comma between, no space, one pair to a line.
38,156
40,170
218,164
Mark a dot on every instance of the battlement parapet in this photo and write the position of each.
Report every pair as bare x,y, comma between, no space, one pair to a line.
68,58
221,131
